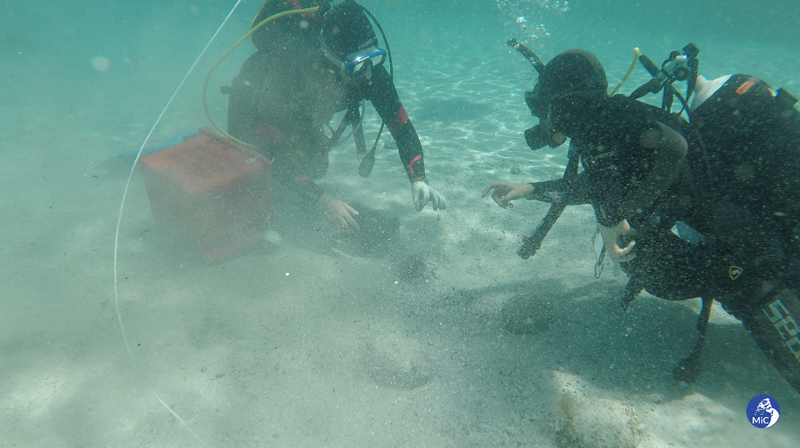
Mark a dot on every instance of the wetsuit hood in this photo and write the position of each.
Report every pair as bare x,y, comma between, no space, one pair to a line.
346,30
573,71
278,33
572,114
571,86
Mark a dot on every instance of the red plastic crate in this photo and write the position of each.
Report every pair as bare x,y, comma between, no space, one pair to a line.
211,194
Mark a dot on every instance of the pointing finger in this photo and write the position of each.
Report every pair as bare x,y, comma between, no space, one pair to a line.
488,188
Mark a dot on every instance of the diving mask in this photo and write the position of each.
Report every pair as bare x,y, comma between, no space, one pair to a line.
543,133
356,64
537,103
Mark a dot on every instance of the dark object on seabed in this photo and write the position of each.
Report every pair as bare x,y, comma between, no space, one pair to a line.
413,267
397,361
527,314
376,233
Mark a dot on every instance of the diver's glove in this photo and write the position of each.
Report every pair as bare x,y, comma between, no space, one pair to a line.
424,193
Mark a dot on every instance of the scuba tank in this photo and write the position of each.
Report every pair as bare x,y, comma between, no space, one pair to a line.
747,137
737,117
705,88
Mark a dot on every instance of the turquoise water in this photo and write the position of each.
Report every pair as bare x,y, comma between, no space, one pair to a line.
289,347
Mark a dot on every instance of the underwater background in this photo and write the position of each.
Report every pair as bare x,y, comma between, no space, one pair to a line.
118,336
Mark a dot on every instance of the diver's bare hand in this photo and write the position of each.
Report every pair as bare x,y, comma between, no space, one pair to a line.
339,215
611,238
505,192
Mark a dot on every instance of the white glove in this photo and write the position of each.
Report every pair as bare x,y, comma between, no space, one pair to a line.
424,193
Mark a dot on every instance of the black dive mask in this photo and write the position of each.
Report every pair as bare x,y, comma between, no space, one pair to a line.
560,110
542,134
537,104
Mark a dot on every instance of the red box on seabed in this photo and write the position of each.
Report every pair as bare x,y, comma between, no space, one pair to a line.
211,194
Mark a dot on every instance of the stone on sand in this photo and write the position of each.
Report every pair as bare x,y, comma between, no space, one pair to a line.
527,314
397,361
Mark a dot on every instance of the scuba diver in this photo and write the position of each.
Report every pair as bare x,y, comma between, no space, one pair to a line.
308,67
708,207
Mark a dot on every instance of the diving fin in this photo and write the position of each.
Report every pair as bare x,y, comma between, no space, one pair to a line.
367,158
367,163
689,368
358,136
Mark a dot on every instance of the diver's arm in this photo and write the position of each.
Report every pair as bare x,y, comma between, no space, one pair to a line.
339,215
291,176
383,95
670,150
574,192
505,192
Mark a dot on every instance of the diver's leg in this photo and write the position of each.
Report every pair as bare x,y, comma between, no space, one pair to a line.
689,368
774,326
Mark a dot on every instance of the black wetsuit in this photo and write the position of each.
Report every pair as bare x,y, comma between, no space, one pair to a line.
746,215
616,165
280,102
752,142
737,187
617,168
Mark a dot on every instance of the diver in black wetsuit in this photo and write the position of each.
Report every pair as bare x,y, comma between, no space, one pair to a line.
307,68
711,212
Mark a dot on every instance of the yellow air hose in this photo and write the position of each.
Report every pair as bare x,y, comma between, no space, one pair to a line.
224,55
630,70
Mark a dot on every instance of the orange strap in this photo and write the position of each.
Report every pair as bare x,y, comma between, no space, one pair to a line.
746,86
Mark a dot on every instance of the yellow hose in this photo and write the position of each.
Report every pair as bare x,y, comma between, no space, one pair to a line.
224,55
630,70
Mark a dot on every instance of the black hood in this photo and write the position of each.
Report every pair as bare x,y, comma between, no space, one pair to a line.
346,29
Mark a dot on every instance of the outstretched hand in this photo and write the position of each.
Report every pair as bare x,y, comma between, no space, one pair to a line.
424,193
611,240
505,192
339,215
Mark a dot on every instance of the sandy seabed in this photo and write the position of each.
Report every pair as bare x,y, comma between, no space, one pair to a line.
312,345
